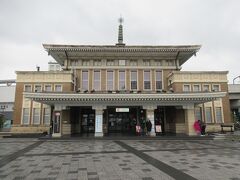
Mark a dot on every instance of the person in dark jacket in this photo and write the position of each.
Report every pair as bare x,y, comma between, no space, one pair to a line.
149,127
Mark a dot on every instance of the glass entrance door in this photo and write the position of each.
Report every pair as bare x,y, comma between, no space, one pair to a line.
88,121
122,122
159,115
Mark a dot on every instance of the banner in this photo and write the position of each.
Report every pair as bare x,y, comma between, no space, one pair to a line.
158,128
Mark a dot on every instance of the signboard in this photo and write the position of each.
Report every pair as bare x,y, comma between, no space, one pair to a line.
98,123
158,128
138,129
57,113
122,109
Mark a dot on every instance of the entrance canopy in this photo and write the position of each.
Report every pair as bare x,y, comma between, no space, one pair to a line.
123,99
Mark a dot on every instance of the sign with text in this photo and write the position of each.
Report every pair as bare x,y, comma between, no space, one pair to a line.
122,109
158,128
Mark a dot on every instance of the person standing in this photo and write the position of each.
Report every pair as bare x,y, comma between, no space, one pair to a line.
149,127
197,127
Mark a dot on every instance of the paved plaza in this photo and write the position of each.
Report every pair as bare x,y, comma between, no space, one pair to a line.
93,159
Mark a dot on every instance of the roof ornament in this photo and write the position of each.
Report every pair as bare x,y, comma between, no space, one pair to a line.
120,32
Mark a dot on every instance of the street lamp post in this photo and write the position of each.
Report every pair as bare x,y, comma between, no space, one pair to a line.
235,78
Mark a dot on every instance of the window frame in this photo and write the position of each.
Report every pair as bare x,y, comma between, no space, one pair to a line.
198,86
86,80
200,112
113,82
205,109
156,79
219,87
47,85
133,81
58,85
150,80
22,120
93,82
33,116
189,85
37,85
209,88
25,87
43,115
221,112
124,80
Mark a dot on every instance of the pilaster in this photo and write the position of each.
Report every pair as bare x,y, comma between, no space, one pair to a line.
99,120
189,119
150,115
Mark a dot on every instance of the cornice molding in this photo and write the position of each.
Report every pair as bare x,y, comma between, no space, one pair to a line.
105,98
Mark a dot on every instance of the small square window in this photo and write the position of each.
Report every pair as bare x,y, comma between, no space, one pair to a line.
37,88
58,88
196,88
216,87
48,88
206,88
27,88
186,88
122,62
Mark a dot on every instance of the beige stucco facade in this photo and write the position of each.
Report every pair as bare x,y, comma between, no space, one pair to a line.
115,88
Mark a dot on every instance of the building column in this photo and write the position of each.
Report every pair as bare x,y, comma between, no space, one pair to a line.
98,121
189,119
150,116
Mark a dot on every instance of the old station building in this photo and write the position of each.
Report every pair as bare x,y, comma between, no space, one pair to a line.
104,89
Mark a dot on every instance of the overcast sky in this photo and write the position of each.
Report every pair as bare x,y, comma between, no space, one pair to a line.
26,24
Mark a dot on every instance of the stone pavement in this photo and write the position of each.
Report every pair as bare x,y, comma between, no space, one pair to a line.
119,159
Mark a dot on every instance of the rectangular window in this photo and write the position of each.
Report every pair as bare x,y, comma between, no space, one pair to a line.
186,88
133,63
110,62
25,119
96,80
122,62
219,115
158,62
208,115
36,115
170,62
216,87
158,79
198,113
147,80
58,88
110,81
85,80
146,62
97,63
28,88
37,88
121,80
85,62
206,88
196,88
133,80
48,88
46,116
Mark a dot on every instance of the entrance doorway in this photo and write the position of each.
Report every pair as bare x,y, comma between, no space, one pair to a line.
82,120
88,121
159,115
122,120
